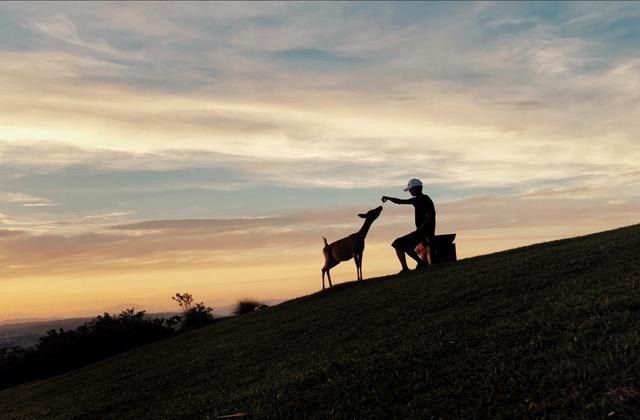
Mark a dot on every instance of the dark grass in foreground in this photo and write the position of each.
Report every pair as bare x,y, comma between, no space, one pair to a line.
551,330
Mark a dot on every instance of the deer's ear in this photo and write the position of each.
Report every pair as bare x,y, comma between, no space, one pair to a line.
364,216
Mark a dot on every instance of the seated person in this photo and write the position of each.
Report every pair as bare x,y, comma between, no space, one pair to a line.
425,219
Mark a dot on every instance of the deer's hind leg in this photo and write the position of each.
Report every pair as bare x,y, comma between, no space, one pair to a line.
357,261
326,269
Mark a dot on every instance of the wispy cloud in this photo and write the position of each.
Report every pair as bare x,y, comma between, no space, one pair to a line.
60,27
25,199
192,243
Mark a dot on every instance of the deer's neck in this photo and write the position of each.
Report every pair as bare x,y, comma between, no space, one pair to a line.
365,227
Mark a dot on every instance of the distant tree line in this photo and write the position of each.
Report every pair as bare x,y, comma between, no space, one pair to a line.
60,351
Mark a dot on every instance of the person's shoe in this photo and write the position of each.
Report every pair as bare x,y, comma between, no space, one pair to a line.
404,271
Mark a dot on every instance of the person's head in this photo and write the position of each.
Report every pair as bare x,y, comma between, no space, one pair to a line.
414,186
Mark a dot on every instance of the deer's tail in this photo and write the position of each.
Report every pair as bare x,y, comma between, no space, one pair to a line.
325,241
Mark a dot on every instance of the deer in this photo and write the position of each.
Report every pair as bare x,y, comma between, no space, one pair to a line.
349,247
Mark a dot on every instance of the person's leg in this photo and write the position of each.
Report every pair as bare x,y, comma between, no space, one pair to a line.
430,242
400,245
413,254
406,245
412,241
427,253
420,250
402,259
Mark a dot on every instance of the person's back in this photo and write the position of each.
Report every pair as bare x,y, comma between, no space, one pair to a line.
425,212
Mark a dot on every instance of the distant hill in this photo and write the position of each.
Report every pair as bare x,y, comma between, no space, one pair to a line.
27,333
545,331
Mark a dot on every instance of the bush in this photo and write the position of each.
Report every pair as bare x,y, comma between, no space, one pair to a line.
198,316
247,305
193,316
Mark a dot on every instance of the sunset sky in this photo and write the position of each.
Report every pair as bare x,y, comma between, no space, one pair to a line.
154,148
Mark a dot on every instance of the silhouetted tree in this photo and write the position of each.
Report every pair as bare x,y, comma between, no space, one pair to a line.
193,316
184,300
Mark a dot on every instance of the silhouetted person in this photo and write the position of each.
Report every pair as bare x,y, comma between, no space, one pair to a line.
425,217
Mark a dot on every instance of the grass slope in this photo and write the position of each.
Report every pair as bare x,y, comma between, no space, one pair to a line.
551,330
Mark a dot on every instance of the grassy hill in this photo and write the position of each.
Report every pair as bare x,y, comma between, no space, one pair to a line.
550,330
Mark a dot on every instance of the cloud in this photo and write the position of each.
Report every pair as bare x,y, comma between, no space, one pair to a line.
482,224
25,199
314,57
215,225
4,233
249,106
199,184
50,71
513,24
60,27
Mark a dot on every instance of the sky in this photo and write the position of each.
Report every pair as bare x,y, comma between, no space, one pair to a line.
154,148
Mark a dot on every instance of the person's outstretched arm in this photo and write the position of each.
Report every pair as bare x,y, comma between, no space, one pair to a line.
396,200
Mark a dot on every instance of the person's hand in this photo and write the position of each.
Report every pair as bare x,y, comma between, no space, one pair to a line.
384,198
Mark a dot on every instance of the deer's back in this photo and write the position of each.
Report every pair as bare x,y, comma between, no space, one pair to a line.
343,249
